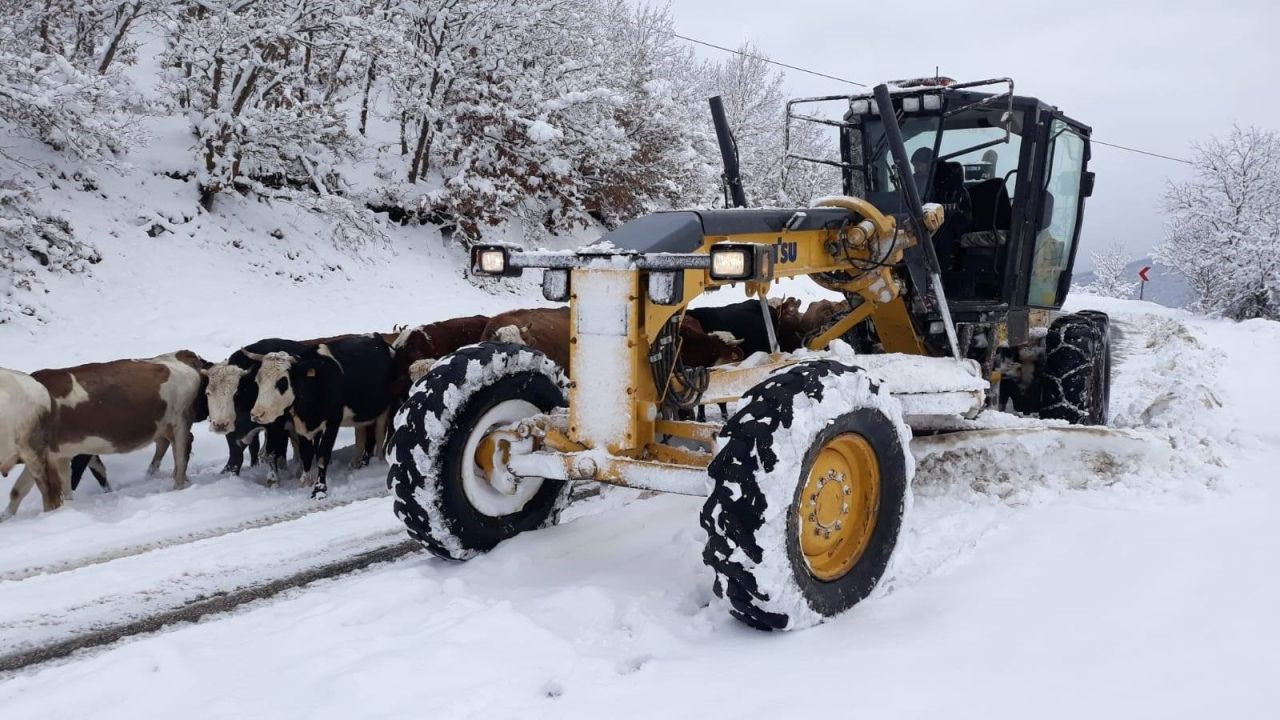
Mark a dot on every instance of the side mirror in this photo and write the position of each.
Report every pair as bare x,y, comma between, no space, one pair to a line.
1086,184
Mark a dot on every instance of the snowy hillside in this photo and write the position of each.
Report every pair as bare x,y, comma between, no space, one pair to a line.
1045,582
1167,286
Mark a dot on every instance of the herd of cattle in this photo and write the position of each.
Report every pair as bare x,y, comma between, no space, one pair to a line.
58,422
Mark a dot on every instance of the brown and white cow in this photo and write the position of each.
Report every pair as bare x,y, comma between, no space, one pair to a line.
116,407
24,418
547,330
431,342
543,329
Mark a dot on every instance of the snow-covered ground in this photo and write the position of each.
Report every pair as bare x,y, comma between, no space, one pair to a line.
1033,582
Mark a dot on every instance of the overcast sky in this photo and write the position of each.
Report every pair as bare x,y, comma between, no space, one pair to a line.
1154,75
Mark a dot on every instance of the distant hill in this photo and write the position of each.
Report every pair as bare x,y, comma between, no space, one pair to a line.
1167,286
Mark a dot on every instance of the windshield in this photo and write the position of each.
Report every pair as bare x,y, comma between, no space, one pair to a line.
972,151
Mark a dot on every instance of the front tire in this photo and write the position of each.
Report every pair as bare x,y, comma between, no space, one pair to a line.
1075,377
441,493
809,489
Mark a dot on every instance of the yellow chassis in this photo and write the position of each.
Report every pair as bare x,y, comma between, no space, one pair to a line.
613,431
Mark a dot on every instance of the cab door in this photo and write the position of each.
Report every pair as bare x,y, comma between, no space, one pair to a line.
1063,185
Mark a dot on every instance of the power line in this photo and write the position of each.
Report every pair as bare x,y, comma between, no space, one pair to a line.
771,62
815,73
1143,152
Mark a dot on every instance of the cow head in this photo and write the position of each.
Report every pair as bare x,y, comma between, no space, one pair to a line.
725,347
510,334
420,368
275,387
220,391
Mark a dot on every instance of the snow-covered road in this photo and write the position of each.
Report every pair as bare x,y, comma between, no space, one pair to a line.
1045,589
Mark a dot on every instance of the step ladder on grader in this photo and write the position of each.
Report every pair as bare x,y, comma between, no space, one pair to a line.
952,301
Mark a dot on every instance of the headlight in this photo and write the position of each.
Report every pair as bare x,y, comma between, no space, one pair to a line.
732,263
492,260
911,104
666,288
860,107
932,102
741,261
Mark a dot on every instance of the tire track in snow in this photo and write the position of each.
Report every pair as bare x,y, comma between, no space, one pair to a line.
200,609
127,551
217,602
581,491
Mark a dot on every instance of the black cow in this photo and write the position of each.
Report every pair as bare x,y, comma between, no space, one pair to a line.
345,382
745,322
231,392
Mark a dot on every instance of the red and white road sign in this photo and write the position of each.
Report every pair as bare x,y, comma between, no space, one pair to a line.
1143,273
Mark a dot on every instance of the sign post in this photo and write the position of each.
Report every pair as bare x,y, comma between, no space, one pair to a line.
1144,276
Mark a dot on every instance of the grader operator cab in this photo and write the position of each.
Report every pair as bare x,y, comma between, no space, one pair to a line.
952,246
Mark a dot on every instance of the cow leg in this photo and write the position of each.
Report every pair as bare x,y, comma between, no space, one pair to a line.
380,434
273,451
254,446
724,411
93,463
702,413
79,464
296,441
363,441
324,449
58,476
306,453
99,471
44,475
162,447
235,455
20,488
181,454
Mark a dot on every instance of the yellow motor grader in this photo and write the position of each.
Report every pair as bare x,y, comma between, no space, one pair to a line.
952,245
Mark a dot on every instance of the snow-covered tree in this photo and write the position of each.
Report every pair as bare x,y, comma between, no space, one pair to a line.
660,159
556,111
755,104
1224,225
1110,274
260,81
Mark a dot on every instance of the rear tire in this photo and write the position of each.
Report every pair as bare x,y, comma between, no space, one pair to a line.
440,494
817,449
1075,377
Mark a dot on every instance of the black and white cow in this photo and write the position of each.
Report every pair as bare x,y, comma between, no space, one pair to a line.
231,393
345,382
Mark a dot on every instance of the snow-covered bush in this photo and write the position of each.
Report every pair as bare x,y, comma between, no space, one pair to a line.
1224,225
1110,274
32,242
58,87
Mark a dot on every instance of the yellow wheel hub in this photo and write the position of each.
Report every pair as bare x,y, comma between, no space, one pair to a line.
485,452
838,505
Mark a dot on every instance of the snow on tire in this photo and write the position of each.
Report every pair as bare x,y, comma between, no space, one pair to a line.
765,494
1075,377
438,491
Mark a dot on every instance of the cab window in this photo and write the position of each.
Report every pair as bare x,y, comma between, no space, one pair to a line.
1059,215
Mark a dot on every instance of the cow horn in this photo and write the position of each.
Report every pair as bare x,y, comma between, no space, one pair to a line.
725,337
255,357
